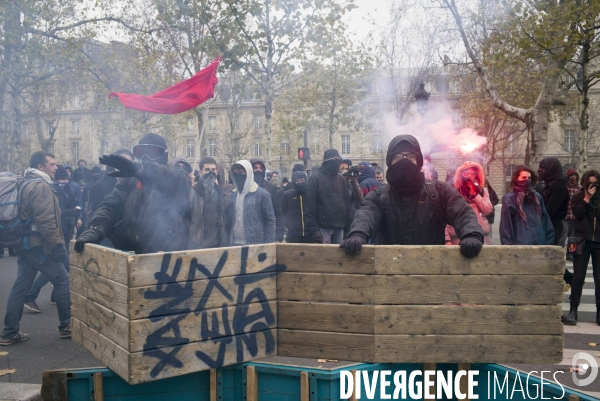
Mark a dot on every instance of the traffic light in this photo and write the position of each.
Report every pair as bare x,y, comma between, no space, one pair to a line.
303,154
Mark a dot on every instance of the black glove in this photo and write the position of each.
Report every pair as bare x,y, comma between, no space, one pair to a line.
353,244
317,237
470,247
91,235
59,254
125,167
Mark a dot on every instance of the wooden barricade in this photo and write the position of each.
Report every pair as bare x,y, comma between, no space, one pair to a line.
160,315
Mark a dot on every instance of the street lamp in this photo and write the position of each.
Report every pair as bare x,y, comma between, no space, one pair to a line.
422,97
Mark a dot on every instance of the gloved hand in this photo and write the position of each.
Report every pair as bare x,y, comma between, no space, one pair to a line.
59,254
317,237
125,167
353,244
90,236
470,247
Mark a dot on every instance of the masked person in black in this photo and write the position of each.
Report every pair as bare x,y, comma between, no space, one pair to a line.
208,204
555,193
328,209
292,205
411,210
524,220
148,210
586,209
258,167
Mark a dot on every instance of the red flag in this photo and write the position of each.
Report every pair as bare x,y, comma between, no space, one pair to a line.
180,97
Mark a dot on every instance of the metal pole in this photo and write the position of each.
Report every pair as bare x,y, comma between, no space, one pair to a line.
305,145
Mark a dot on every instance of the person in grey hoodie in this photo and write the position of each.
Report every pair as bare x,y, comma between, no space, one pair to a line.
250,216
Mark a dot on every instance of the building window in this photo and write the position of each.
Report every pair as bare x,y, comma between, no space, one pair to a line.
104,147
377,146
212,123
510,169
403,88
570,140
345,144
190,122
285,147
75,102
257,122
75,149
49,102
212,148
257,148
512,144
456,116
75,128
25,130
317,147
50,128
236,122
51,148
190,145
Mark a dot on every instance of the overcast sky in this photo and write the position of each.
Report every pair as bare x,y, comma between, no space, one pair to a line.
361,19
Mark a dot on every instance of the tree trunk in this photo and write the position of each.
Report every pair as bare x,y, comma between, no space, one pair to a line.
584,118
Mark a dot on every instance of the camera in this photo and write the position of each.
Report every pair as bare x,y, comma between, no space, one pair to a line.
353,171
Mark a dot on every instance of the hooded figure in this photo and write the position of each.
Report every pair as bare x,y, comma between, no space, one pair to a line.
276,193
555,193
250,216
148,210
292,205
81,173
569,221
328,208
413,211
366,178
469,181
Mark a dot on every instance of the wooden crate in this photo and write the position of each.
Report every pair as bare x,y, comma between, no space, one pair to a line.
155,316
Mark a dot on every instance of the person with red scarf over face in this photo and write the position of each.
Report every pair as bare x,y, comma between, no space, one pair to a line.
524,219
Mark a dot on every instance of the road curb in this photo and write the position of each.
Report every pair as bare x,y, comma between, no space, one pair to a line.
20,392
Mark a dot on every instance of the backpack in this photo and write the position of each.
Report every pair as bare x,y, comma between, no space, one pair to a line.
12,228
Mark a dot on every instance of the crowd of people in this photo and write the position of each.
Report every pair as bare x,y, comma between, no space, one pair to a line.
143,204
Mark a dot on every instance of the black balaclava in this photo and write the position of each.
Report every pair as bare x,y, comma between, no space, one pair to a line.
259,176
331,162
553,169
405,176
240,180
300,188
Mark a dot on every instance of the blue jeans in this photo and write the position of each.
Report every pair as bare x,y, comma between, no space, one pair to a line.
40,282
30,263
332,235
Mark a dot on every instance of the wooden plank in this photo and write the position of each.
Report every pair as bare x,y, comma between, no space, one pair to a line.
213,385
190,325
107,351
251,384
197,295
98,387
182,359
144,270
319,258
464,380
493,259
574,397
326,316
429,366
106,262
351,288
103,291
460,319
304,387
493,290
541,349
317,344
108,323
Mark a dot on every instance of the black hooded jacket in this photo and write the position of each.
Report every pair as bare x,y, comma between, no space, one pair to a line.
276,194
555,192
416,219
149,214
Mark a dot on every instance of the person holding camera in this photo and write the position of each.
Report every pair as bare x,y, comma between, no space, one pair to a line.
351,173
586,209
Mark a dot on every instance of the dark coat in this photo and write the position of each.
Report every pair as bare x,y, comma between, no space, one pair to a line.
97,192
197,203
367,180
82,174
328,202
556,198
148,214
515,231
276,194
587,219
292,205
494,199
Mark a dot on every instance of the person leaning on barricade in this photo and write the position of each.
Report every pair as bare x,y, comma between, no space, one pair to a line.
411,210
148,210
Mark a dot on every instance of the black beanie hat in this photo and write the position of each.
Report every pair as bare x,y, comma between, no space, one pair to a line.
330,154
153,139
96,170
61,173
